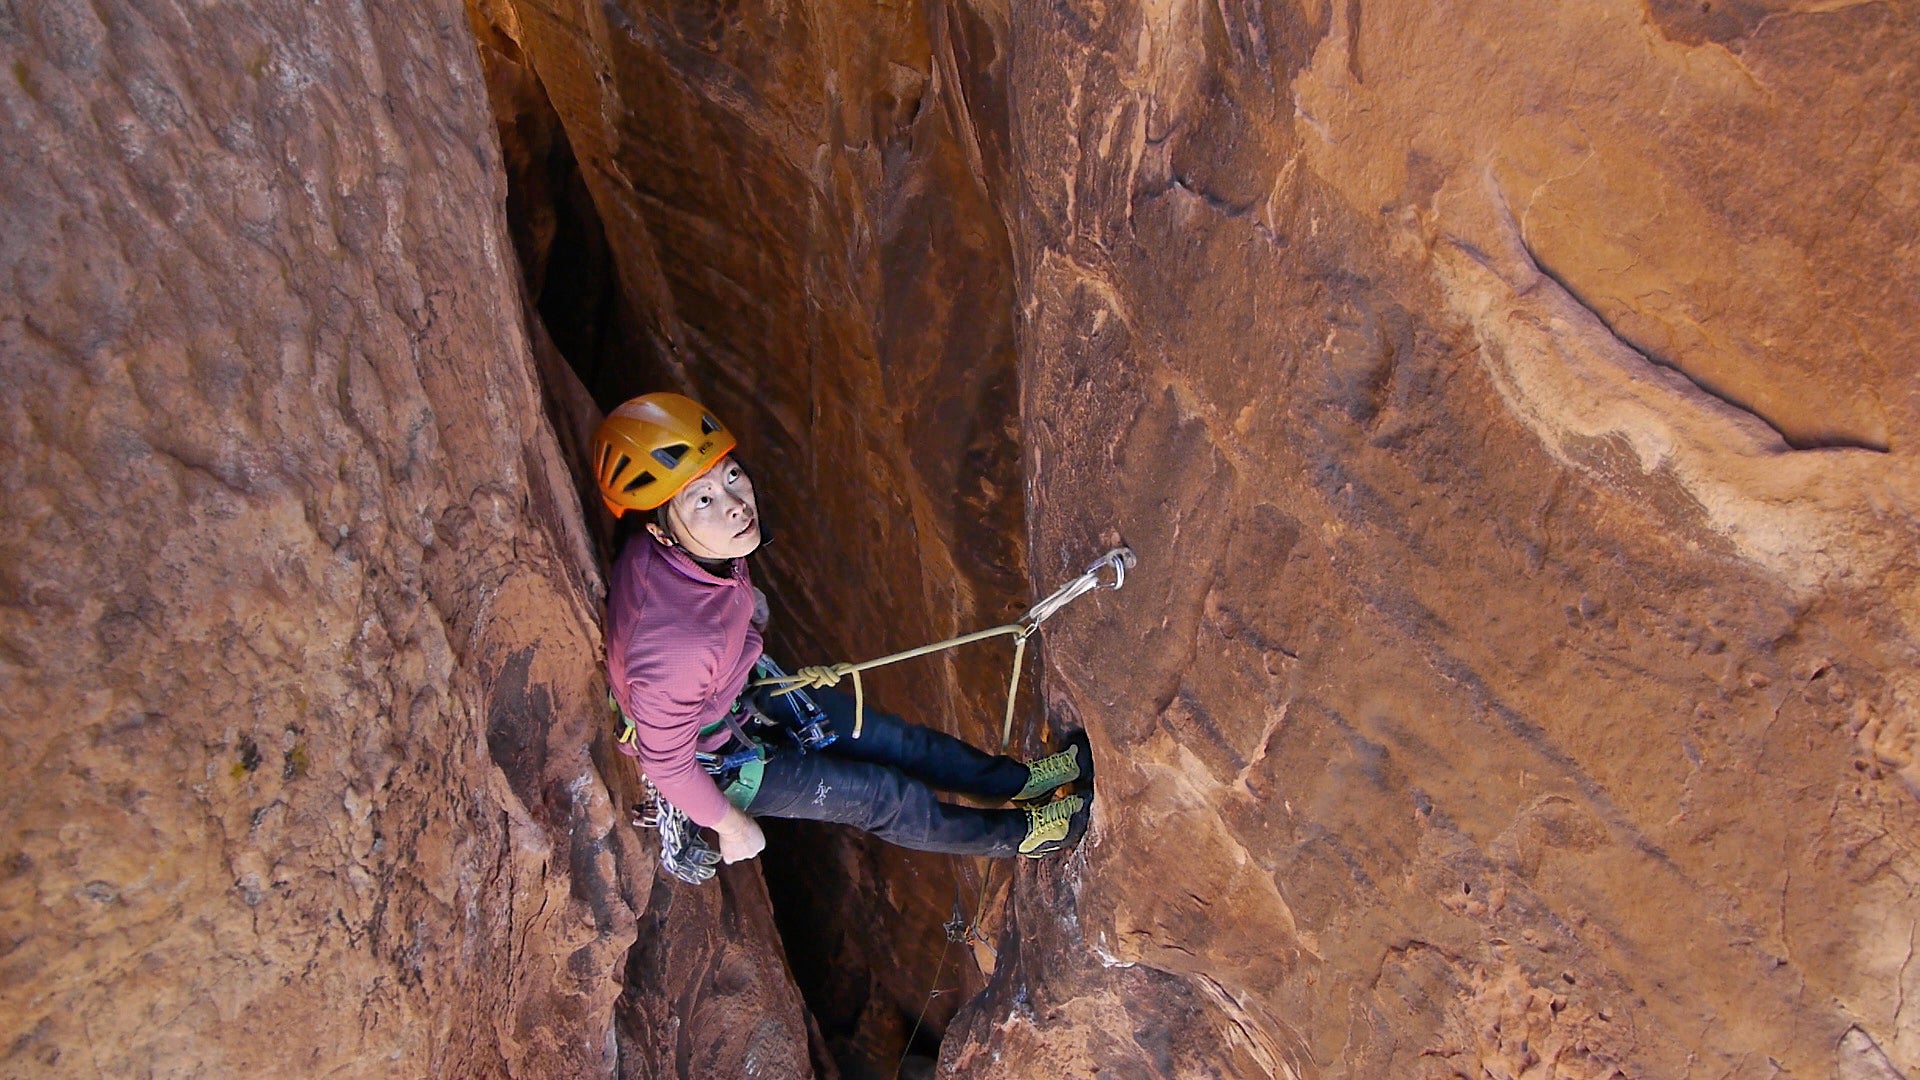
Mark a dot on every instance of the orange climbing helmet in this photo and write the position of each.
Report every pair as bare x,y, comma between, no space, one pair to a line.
653,446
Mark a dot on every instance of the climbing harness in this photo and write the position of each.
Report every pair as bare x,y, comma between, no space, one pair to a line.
795,723
808,724
804,725
1119,561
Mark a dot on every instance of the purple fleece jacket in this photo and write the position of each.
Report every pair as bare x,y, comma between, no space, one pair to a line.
680,645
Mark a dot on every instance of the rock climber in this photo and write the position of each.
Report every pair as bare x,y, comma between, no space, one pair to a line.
683,634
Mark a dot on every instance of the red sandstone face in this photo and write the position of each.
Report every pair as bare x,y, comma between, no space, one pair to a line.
1510,411
299,691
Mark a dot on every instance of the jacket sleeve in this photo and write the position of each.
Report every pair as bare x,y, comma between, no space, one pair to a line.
668,676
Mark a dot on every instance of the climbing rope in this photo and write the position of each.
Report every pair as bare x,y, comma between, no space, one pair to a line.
1119,561
960,931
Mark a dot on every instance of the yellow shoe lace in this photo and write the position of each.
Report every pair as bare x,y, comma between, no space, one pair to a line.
1050,772
1051,822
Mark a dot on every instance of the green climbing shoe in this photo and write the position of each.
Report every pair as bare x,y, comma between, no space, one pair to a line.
1055,771
1058,824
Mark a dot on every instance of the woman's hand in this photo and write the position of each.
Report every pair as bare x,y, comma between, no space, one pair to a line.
740,836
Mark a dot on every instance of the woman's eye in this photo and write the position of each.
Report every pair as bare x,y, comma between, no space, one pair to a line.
702,502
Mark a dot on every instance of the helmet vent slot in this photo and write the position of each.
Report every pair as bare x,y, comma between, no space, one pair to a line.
637,482
708,425
670,456
606,452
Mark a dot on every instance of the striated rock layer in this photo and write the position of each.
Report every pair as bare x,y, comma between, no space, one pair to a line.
298,622
1514,418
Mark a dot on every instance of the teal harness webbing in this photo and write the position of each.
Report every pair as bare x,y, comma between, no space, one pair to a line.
744,784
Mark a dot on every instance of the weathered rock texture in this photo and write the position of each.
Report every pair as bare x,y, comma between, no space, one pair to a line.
1508,410
298,622
801,222
1513,412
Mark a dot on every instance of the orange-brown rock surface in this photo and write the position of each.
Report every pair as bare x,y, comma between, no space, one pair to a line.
1512,411
1507,410
298,619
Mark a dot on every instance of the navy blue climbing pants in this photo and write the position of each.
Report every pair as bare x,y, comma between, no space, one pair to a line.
883,783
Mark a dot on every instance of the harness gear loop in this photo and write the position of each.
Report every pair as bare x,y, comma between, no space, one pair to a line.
1118,560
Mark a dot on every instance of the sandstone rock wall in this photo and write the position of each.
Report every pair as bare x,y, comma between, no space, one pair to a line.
1508,413
1513,414
298,622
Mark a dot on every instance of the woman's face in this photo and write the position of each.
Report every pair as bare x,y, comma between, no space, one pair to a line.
715,517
